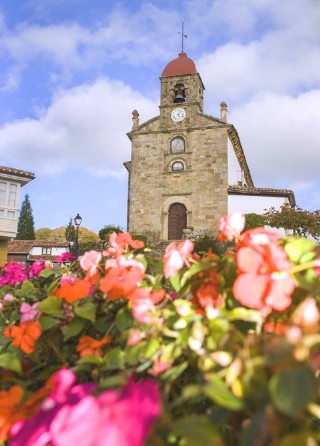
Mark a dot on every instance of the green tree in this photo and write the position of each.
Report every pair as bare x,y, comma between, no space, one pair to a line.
254,221
26,222
299,221
43,234
70,231
107,230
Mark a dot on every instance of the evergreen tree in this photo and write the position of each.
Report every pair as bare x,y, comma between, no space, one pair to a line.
26,222
70,231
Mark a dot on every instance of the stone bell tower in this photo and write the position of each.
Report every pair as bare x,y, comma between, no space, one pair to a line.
178,173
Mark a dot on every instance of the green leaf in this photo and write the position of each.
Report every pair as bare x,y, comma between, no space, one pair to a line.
245,314
218,392
90,359
114,360
173,373
48,322
299,248
151,348
27,287
46,273
293,389
175,282
258,426
124,319
195,269
197,431
111,382
51,305
10,362
86,310
135,353
73,329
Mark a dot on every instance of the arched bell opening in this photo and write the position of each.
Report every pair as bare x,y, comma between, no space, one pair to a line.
179,93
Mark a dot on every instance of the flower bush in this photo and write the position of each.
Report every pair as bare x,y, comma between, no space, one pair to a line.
122,349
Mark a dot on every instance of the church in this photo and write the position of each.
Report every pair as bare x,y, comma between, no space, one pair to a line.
179,172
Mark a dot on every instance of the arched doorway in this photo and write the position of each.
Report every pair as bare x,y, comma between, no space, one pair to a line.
177,221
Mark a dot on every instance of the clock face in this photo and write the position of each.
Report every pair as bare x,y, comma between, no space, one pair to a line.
178,114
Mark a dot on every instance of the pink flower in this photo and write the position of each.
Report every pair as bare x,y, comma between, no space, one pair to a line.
264,282
67,279
143,304
65,257
8,298
135,337
71,415
159,367
230,226
36,268
29,312
175,256
89,262
120,242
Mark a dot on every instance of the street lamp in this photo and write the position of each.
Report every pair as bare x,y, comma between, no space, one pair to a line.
77,221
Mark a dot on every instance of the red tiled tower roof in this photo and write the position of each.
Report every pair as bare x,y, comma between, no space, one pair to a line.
181,65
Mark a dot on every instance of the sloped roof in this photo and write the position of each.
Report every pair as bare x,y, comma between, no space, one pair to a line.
238,150
17,172
263,191
24,246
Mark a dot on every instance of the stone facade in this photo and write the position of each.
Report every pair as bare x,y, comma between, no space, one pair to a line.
162,174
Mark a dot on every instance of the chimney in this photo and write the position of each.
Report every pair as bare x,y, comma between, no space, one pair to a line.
223,111
135,119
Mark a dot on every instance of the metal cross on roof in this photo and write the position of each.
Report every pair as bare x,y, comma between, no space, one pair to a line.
182,34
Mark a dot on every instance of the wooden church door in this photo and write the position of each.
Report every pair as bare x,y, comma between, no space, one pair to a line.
177,221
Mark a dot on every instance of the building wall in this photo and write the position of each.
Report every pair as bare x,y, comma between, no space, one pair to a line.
252,204
3,251
201,186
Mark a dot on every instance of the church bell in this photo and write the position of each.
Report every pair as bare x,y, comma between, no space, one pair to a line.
179,94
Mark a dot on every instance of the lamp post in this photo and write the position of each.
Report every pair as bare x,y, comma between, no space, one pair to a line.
77,221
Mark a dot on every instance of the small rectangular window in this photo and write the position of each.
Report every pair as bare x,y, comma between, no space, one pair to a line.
46,251
2,213
12,195
11,214
3,190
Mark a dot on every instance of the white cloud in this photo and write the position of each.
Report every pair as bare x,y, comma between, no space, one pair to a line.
280,136
84,127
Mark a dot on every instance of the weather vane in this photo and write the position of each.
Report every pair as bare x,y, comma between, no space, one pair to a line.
182,34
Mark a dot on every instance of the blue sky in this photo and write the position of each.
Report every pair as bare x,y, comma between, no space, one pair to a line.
72,72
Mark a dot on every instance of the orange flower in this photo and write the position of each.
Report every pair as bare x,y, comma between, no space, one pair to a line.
90,346
25,335
71,292
9,402
121,281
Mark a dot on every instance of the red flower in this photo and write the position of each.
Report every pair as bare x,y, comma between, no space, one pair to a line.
25,335
121,281
72,291
176,255
208,295
89,346
9,403
264,282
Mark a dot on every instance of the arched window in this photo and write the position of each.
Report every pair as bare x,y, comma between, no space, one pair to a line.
177,165
177,145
